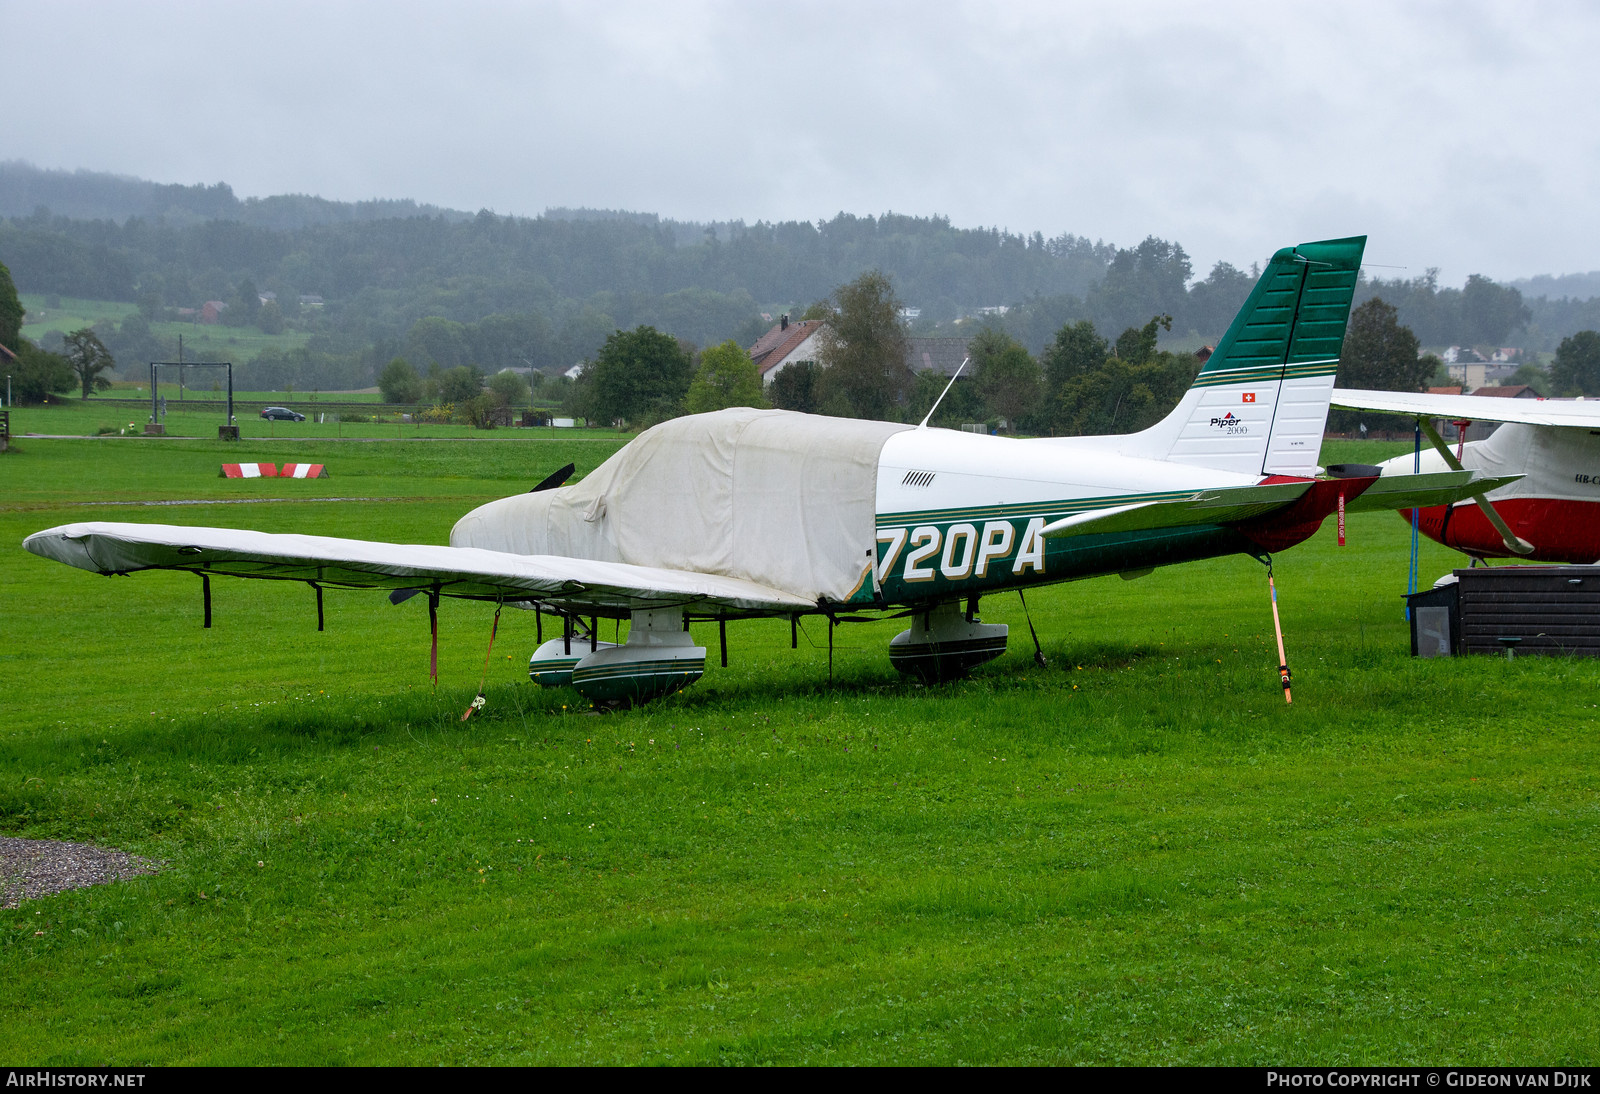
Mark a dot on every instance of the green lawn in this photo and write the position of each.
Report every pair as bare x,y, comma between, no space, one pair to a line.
1137,854
72,313
200,342
200,418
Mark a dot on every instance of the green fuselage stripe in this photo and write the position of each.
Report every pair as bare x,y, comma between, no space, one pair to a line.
1066,558
1023,510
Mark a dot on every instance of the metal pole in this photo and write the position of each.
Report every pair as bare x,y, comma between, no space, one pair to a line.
230,392
153,368
1416,518
180,368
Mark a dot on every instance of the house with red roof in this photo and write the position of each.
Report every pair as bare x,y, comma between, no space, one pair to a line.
785,344
1507,391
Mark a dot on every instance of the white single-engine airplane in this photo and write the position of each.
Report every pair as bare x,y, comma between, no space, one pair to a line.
1550,513
746,513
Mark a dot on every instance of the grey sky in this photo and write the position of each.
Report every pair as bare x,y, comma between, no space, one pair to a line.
1456,135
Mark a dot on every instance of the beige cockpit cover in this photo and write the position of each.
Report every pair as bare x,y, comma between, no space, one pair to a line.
771,496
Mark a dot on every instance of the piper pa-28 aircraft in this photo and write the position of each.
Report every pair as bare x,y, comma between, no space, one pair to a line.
1550,513
745,513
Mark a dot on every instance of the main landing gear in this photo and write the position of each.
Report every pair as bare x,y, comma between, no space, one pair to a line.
658,658
945,642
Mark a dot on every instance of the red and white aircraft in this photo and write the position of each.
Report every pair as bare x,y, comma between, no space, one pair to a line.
1551,513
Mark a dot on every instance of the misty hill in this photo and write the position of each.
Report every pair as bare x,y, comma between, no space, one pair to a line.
360,279
1577,286
93,195
379,276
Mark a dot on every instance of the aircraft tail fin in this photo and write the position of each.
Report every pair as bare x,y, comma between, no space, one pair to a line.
1260,403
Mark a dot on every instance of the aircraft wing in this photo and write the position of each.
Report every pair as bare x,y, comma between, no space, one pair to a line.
1222,506
1476,408
574,584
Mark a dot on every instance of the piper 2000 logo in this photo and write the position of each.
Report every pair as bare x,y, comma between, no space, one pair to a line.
1230,424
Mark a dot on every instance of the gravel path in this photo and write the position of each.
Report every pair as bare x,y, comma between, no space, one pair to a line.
32,868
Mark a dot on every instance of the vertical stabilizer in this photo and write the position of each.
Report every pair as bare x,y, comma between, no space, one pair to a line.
1260,403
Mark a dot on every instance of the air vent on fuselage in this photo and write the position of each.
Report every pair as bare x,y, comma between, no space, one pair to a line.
917,478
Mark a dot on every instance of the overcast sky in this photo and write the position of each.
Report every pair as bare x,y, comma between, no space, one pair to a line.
1456,135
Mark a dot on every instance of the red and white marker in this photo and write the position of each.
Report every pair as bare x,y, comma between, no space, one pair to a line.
249,470
303,471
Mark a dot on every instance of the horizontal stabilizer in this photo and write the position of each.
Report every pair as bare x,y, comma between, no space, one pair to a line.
1224,506
1238,504
1422,491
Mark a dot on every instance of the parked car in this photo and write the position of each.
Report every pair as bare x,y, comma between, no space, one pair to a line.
282,414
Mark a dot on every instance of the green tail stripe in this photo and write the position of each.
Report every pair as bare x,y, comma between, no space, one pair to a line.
1267,374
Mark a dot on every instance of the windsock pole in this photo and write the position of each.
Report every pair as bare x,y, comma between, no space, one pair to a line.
1283,662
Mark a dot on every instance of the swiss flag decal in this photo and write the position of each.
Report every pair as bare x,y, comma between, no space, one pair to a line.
1249,397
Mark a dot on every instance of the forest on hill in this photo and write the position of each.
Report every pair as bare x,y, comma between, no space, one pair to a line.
370,280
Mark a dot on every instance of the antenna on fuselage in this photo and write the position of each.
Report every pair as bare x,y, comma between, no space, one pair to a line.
924,423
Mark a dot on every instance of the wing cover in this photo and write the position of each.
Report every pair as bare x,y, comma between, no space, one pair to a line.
468,572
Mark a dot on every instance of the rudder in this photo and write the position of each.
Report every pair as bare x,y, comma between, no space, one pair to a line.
1260,403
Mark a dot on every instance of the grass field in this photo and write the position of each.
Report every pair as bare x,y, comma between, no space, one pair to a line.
1137,854
69,315
200,342
87,417
211,389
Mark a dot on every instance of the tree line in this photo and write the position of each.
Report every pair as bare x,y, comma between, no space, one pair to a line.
1080,383
546,292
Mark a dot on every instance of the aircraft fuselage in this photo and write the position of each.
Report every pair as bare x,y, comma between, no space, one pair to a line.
1555,506
961,514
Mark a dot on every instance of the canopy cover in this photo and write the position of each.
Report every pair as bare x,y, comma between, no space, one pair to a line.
782,499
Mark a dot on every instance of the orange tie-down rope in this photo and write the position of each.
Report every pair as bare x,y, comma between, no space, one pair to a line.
479,701
1283,662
